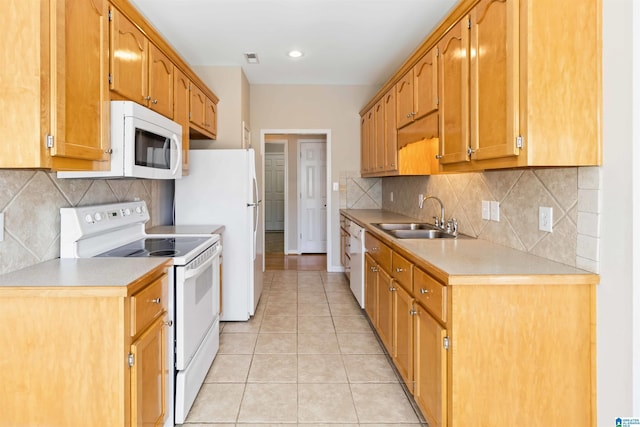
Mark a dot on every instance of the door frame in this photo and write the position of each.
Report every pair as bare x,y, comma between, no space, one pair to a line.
299,142
286,187
327,133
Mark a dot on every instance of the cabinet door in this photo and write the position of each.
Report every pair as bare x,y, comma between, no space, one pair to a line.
160,82
149,376
377,154
453,63
79,92
197,106
181,113
403,334
211,117
425,85
129,51
364,147
404,100
494,79
371,288
390,132
386,289
430,390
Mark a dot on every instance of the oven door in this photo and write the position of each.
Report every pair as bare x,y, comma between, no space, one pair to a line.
197,304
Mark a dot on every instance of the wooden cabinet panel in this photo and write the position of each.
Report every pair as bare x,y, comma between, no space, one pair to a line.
453,91
149,376
148,304
403,334
211,117
129,59
494,79
430,390
402,271
160,82
390,132
371,288
430,293
425,85
384,326
404,93
197,106
55,72
376,155
181,97
378,250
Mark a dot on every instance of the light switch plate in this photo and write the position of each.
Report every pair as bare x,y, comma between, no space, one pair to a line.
486,210
336,186
1,226
545,219
495,211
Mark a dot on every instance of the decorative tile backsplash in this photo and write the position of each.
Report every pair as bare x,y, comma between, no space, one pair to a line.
31,202
359,193
573,193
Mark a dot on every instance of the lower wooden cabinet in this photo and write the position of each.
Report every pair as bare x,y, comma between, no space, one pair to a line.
495,350
430,373
85,356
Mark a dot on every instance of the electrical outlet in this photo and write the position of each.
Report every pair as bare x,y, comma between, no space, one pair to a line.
545,219
420,202
391,196
486,210
495,211
1,226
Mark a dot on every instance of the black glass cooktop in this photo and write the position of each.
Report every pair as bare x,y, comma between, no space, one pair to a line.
153,246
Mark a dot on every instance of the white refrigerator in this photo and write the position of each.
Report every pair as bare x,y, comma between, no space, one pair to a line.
221,188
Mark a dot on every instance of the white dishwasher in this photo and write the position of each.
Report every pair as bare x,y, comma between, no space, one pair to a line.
356,253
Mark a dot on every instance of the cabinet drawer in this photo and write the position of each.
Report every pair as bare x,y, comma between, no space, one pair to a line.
148,303
402,271
430,293
379,251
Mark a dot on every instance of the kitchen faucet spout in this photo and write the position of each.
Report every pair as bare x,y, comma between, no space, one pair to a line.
438,222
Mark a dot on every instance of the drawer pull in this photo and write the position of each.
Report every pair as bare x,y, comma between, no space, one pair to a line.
169,323
156,300
373,269
392,289
424,291
412,312
400,270
374,249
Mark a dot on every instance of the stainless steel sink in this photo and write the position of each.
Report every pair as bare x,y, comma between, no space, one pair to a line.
386,226
414,230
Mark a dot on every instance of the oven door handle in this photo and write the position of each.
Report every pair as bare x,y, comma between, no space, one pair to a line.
194,272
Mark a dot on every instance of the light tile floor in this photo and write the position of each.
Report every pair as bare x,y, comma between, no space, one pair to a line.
307,357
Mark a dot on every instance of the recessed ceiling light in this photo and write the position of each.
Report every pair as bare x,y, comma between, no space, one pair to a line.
252,58
295,54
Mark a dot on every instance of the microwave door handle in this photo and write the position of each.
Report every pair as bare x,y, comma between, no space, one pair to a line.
174,140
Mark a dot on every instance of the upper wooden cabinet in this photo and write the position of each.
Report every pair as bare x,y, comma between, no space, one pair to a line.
54,98
140,71
202,112
181,97
519,84
380,138
417,90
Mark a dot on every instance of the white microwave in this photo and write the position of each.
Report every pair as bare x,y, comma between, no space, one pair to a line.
144,144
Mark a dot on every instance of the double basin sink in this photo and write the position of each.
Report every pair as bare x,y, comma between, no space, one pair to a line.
414,230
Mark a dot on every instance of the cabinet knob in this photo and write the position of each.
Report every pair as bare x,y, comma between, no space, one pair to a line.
439,156
146,98
109,151
392,289
412,312
374,249
155,101
169,323
156,300
424,291
470,151
399,270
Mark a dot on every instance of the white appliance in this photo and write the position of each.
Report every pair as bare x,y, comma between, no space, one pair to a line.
117,230
356,252
144,144
221,188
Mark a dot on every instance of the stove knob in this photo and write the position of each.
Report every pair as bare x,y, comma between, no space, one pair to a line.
127,212
144,209
97,216
88,218
138,209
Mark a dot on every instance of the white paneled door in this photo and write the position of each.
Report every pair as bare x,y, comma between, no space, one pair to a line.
274,173
313,197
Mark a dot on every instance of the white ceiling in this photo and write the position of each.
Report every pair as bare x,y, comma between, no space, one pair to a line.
345,42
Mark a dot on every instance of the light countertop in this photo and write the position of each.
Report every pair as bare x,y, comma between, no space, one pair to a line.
91,275
469,260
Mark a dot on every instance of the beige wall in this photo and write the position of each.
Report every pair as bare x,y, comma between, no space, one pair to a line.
334,108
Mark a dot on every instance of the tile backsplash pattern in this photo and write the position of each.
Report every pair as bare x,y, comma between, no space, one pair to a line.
31,201
359,193
573,193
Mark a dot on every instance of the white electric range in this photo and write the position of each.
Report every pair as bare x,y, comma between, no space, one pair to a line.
118,230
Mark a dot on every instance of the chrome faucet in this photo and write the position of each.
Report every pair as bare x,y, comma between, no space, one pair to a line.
439,222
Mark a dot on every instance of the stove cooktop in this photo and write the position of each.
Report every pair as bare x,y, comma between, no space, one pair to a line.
157,246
